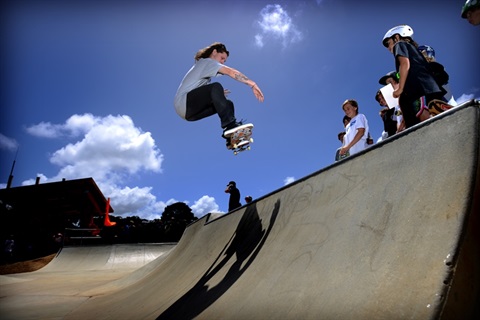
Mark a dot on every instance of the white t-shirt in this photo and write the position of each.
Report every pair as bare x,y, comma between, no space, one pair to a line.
199,75
357,122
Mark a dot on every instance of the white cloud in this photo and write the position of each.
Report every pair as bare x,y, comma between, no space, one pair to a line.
111,149
43,179
111,146
204,205
7,143
80,124
276,23
45,130
465,97
288,180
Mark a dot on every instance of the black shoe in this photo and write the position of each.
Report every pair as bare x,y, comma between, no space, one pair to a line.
228,143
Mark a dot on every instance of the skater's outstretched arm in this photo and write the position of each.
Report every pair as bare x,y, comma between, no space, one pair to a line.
237,75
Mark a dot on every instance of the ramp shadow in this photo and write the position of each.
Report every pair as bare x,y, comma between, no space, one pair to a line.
246,242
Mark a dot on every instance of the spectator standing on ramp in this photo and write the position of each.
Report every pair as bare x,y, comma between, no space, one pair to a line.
234,201
392,79
356,131
471,12
416,85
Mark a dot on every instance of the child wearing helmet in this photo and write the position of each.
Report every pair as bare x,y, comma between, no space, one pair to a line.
471,12
438,72
416,86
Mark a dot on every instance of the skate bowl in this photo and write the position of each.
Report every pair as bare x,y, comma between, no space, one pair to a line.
389,233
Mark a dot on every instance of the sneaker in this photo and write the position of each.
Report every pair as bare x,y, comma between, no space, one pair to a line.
228,144
231,126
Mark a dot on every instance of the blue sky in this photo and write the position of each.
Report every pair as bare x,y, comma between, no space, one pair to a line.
87,90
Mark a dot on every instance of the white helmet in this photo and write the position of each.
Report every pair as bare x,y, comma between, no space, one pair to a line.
403,30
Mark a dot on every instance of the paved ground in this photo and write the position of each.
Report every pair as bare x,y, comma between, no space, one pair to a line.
389,234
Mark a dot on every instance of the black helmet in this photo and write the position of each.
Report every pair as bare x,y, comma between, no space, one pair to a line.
391,74
469,5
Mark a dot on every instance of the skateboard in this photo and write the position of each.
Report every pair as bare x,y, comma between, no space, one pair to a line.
240,138
436,107
339,157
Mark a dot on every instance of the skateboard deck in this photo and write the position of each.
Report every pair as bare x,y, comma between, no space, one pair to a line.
240,138
436,107
338,156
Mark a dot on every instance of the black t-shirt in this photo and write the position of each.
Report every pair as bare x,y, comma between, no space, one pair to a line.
439,73
234,201
420,81
389,125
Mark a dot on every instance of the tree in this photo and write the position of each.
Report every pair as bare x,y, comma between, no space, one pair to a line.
175,219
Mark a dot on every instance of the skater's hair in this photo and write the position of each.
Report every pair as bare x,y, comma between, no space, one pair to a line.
206,52
351,102
406,39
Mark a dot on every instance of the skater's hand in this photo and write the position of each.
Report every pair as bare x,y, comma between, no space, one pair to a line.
343,150
397,92
258,93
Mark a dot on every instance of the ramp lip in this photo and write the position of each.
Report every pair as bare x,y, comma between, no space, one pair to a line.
464,105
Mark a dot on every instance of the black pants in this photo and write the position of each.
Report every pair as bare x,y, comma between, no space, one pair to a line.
208,100
410,106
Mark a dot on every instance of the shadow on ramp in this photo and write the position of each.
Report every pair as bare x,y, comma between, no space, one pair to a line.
390,233
243,247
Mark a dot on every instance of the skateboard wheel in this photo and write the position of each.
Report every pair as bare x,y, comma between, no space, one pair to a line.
251,140
235,146
248,148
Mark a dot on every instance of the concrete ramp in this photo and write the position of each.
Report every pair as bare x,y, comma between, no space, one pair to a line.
62,285
391,233
105,257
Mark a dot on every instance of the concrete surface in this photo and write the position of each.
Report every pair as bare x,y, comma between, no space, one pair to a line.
390,233
58,288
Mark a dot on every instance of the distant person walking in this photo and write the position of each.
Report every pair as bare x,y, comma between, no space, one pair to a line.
197,98
234,201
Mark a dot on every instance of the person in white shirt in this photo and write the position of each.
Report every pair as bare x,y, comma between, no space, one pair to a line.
356,132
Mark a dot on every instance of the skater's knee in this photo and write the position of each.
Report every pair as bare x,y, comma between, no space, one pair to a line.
217,87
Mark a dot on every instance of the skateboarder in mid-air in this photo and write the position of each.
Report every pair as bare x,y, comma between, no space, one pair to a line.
197,98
